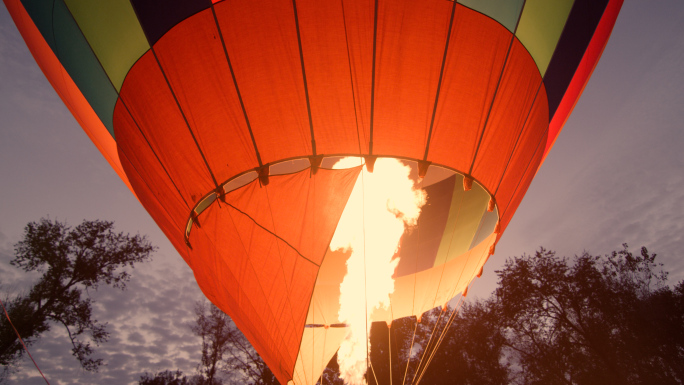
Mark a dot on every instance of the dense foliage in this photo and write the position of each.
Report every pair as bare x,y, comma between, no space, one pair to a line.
587,320
72,260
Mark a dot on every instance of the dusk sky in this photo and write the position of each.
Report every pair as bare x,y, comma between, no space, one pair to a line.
615,175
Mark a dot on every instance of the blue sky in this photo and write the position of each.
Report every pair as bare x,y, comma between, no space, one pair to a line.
614,176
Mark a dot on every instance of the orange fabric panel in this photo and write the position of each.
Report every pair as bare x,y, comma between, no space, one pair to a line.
584,71
511,108
258,278
261,40
474,61
524,156
329,77
411,37
66,88
197,69
143,166
152,106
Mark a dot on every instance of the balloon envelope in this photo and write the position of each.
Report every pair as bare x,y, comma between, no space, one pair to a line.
223,118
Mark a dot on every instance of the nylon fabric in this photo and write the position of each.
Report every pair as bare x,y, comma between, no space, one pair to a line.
113,32
195,64
141,162
540,27
510,111
410,46
151,105
262,261
584,70
75,55
330,76
505,12
272,89
66,88
468,87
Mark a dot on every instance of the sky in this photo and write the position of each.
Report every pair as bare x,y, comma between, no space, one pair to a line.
614,176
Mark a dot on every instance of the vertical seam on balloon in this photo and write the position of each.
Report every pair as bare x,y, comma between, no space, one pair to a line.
306,86
515,145
372,106
153,152
491,105
237,89
522,9
351,77
155,195
94,55
185,119
544,135
439,82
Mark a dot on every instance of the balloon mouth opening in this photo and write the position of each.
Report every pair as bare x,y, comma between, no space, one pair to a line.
426,173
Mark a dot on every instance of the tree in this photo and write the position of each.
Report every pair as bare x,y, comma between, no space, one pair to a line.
73,261
167,377
226,351
588,320
599,320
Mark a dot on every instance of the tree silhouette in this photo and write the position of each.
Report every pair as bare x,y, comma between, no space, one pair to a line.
72,262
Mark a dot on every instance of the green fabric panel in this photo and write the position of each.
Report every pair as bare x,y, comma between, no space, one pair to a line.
465,214
78,59
540,27
113,31
41,14
505,12
487,226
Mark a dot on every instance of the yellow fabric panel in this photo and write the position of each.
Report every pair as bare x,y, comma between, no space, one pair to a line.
316,350
113,32
418,293
540,27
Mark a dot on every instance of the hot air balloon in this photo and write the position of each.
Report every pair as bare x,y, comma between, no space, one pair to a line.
225,118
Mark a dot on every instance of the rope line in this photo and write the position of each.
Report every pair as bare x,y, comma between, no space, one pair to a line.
22,342
422,356
408,360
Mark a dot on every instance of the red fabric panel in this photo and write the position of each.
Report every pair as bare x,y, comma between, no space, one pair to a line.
510,110
143,166
293,208
329,77
584,70
152,106
261,40
66,88
260,281
359,23
523,158
158,210
258,278
475,59
507,209
411,37
197,69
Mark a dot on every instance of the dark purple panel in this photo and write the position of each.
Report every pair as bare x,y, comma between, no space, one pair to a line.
159,16
419,247
582,21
